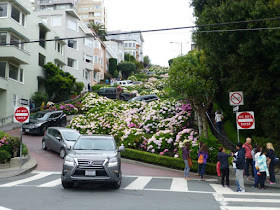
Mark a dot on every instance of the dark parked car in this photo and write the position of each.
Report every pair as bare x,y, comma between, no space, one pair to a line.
110,92
146,98
40,121
60,140
94,158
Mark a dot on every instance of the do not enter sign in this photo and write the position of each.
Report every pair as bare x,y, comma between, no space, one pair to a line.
245,120
21,114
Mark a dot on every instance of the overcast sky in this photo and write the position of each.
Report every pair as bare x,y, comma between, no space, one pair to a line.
129,15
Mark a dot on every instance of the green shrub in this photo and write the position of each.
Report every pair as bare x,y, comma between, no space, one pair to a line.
24,149
79,86
113,64
39,97
4,156
127,68
97,87
166,161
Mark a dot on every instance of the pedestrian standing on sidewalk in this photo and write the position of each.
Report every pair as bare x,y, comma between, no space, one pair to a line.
186,154
248,156
254,152
271,162
223,158
240,166
218,120
199,147
258,152
202,160
234,166
262,170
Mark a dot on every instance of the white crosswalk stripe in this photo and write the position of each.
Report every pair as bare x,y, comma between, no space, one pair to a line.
139,183
179,185
51,184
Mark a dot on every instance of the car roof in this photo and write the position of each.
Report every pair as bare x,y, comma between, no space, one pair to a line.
63,129
149,95
98,136
49,111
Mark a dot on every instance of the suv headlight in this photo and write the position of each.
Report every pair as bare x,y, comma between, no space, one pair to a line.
113,162
69,161
37,125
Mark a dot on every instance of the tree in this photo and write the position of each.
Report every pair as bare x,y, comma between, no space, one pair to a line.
245,61
99,29
190,78
59,84
147,61
170,62
113,67
79,86
129,58
127,68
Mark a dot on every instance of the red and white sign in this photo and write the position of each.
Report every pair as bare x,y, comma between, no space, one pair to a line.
21,114
245,120
236,98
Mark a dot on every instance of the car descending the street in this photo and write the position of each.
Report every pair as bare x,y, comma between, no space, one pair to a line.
146,98
60,140
94,158
111,92
40,121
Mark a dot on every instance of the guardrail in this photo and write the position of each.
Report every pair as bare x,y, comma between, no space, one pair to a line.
219,136
6,120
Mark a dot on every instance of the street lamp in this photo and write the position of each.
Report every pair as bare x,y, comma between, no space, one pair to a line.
181,45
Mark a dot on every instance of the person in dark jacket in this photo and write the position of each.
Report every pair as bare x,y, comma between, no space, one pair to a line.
240,166
186,154
224,166
271,163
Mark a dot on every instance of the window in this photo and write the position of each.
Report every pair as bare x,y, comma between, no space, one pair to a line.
42,60
96,59
22,19
133,44
3,10
42,37
88,42
58,65
72,25
72,63
15,41
15,99
97,14
63,6
58,47
97,21
85,74
88,59
130,44
85,16
72,44
125,44
21,75
134,53
13,72
15,14
56,20
3,37
98,6
3,69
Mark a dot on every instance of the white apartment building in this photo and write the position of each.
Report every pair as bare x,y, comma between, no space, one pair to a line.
133,43
116,49
54,4
21,64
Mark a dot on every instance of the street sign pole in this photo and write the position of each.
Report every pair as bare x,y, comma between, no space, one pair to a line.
20,149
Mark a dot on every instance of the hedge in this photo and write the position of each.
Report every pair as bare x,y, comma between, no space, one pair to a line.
4,156
170,162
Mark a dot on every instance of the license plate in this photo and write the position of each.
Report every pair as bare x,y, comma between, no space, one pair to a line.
90,173
26,130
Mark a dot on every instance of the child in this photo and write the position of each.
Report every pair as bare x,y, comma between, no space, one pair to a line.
262,170
223,158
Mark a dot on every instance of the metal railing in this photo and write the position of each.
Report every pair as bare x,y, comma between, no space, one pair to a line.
218,135
6,120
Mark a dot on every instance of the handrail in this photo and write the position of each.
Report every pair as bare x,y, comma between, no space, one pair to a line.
2,120
216,133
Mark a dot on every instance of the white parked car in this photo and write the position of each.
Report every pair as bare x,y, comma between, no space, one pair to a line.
125,83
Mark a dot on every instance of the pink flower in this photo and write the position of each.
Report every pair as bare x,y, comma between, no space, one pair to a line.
162,153
175,150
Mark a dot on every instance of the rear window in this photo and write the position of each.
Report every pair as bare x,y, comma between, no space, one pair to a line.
70,135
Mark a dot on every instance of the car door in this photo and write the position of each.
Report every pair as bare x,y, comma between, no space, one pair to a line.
49,138
57,119
101,92
110,93
58,141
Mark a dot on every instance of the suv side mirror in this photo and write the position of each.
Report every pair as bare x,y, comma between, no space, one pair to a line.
68,147
121,149
58,138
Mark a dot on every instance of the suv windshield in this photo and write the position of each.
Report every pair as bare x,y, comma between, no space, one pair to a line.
70,135
95,144
39,116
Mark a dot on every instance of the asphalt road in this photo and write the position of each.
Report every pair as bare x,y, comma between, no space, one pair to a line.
143,187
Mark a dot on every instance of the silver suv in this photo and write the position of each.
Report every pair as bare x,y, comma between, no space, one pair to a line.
93,158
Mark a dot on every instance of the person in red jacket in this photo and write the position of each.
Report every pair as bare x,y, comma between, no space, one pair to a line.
248,156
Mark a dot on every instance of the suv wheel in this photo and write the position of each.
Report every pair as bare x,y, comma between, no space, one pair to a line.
117,185
44,147
62,153
67,185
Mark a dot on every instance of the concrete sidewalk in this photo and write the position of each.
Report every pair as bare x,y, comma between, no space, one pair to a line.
26,167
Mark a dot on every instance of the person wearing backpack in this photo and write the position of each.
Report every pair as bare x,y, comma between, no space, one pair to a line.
240,166
271,162
223,158
202,160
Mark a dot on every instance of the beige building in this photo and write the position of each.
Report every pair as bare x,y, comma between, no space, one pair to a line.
92,11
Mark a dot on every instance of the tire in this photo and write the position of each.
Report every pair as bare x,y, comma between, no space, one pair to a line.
63,123
44,147
44,129
117,185
122,98
67,185
62,153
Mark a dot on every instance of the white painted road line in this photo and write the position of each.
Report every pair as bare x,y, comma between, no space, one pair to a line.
51,172
179,185
3,208
220,189
139,183
248,208
22,181
253,200
51,184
